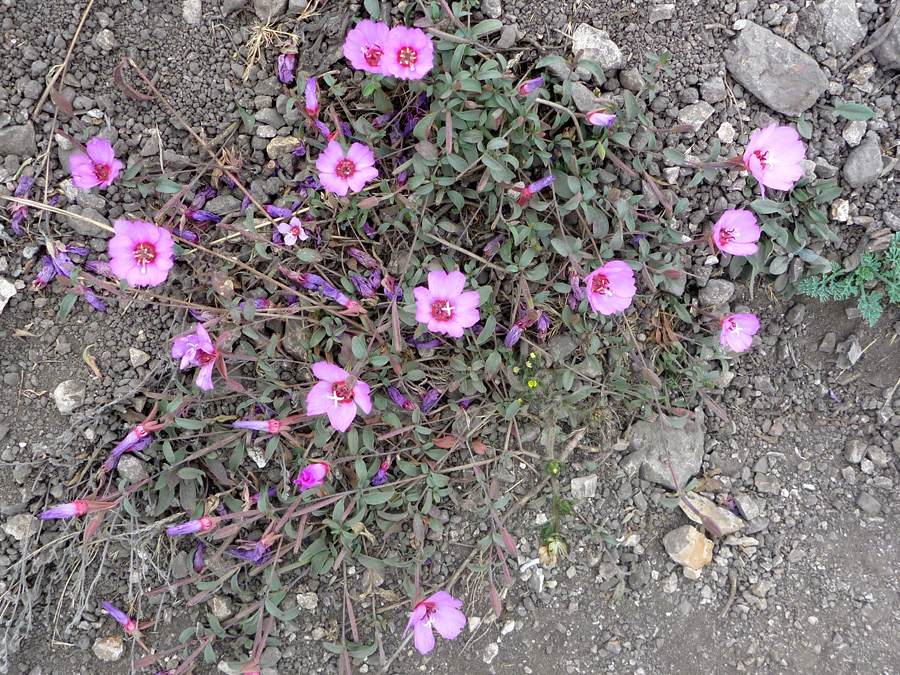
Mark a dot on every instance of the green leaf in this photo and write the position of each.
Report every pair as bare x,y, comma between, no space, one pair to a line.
373,7
190,473
485,27
66,305
248,119
674,156
188,423
853,111
548,61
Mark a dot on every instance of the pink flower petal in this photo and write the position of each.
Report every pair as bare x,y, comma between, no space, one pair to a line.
334,184
361,396
446,286
100,151
341,417
424,300
328,372
204,376
423,638
317,400
361,155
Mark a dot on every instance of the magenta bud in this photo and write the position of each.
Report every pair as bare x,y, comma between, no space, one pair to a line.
286,63
198,558
363,258
312,99
430,399
527,87
204,524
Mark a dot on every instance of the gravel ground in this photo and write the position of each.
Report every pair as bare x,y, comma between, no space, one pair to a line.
809,459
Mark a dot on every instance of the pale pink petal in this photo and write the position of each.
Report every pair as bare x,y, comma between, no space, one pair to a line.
317,400
203,339
328,372
448,621
782,177
204,376
358,180
739,248
424,300
446,286
82,169
423,637
361,396
328,159
341,417
316,472
416,617
361,155
334,184
122,267
101,151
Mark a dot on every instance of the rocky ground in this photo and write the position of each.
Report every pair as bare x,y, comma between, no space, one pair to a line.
807,584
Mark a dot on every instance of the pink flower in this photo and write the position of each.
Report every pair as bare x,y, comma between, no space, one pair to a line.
527,87
530,190
610,288
340,173
312,475
204,524
440,611
197,350
601,119
773,157
79,507
364,45
286,64
334,398
408,53
98,168
293,231
736,232
738,331
141,253
129,624
443,306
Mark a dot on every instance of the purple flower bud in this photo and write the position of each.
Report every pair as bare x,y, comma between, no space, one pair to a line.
255,425
120,616
362,286
299,151
78,250
62,264
527,87
53,201
380,478
424,344
45,276
24,186
330,291
575,283
363,258
322,127
245,203
382,120
202,216
539,185
375,279
278,212
464,403
93,300
270,493
392,289
99,267
310,92
346,129
286,63
203,524
369,231
201,315
198,558
63,511
311,282
401,400
543,325
491,248
430,399
187,235
512,337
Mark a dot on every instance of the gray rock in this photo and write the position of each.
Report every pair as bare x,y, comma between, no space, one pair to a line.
68,396
598,47
269,10
631,79
561,347
775,71
137,357
492,9
888,52
585,101
661,13
109,648
824,169
695,114
7,290
796,314
508,37
223,204
132,469
192,12
853,133
688,547
713,90
878,456
21,526
104,40
684,446
850,352
229,6
869,504
271,117
88,200
747,506
828,343
842,27
854,450
716,292
85,228
891,220
767,484
863,165
584,487
18,141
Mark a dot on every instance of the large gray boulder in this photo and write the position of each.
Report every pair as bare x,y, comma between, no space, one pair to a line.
775,71
650,441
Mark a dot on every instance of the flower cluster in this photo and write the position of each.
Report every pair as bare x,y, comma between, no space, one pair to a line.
401,52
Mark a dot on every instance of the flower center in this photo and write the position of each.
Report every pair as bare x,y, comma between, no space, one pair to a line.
340,394
140,432
344,169
442,310
373,55
144,254
295,231
761,156
407,57
732,326
600,284
274,426
205,357
726,236
101,171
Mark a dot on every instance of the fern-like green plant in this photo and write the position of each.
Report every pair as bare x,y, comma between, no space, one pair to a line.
840,285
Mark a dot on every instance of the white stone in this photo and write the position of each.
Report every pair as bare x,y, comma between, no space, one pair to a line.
508,627
137,357
725,133
109,649
854,132
7,290
696,114
307,601
191,12
597,47
18,527
584,487
68,396
490,652
725,520
220,608
840,210
661,13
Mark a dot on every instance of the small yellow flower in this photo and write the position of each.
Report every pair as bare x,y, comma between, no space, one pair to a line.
528,364
532,355
516,370
532,383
